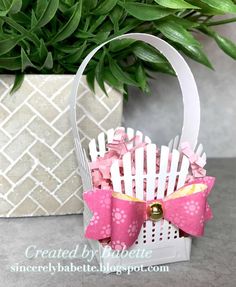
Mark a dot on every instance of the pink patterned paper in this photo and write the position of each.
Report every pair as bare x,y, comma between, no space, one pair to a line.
119,217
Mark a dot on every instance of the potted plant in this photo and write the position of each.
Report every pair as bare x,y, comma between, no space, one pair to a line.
42,44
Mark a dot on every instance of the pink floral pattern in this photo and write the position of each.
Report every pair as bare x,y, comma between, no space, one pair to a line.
105,202
121,221
177,219
106,231
192,207
118,215
133,228
94,219
118,245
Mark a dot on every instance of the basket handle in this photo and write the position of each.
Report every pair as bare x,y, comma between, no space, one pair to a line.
191,119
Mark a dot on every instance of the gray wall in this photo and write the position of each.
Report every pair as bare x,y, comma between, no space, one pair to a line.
160,115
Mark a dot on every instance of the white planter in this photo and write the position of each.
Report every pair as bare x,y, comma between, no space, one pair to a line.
39,173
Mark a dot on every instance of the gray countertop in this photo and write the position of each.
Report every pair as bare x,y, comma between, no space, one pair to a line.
213,257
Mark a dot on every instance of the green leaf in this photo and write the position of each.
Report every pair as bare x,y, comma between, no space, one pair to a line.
21,18
75,57
25,61
33,20
16,6
116,15
146,12
89,5
223,5
197,54
97,23
46,11
19,78
226,45
83,35
206,9
105,7
100,37
1,26
41,6
42,50
48,63
118,45
141,78
70,68
71,25
185,23
190,45
112,81
99,73
23,31
106,26
63,7
7,44
10,63
153,57
175,32
90,77
126,93
121,75
68,49
9,6
147,53
160,67
26,45
176,4
129,25
25,4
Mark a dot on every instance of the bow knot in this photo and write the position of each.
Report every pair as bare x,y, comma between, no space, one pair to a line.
154,210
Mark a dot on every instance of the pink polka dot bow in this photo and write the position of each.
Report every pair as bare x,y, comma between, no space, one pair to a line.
119,217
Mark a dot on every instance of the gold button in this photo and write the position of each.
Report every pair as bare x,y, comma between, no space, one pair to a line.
155,211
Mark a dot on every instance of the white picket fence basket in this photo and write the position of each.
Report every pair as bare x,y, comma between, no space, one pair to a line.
161,237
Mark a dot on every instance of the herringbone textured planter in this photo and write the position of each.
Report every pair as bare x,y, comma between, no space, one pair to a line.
39,173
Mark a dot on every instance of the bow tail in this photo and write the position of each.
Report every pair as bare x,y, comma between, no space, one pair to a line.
99,202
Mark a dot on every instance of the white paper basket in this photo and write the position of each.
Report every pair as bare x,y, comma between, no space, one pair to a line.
161,237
